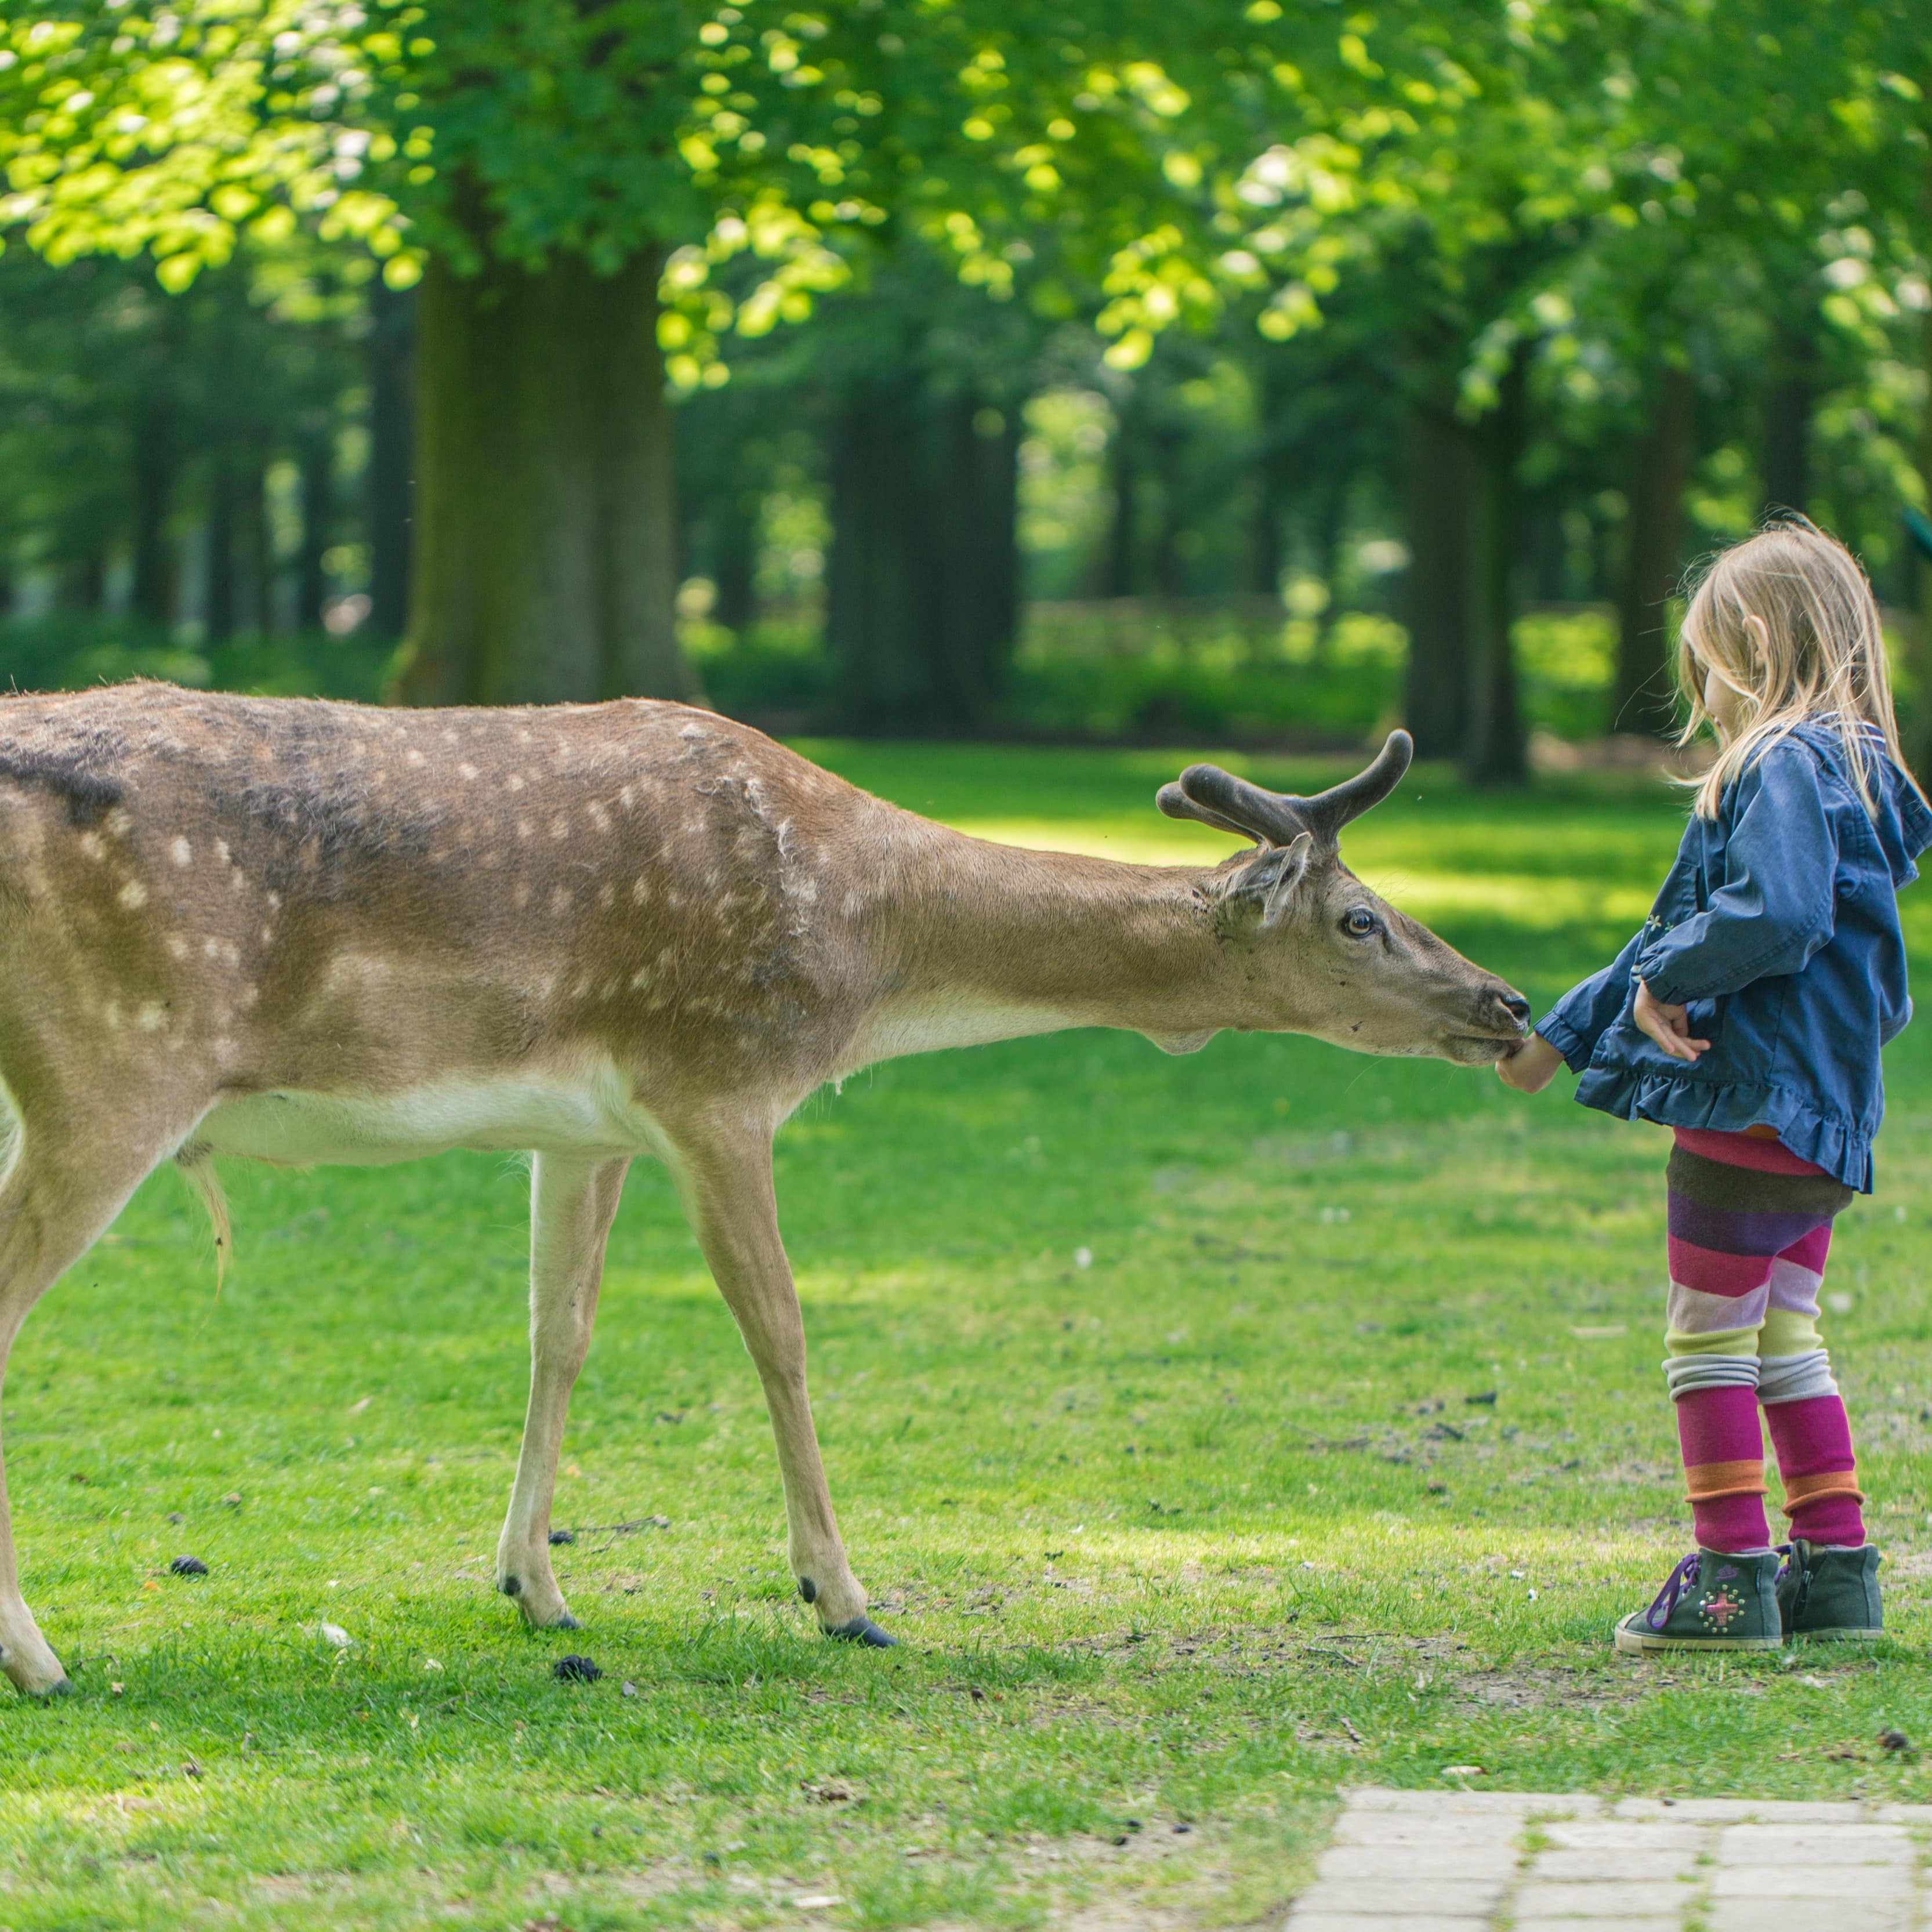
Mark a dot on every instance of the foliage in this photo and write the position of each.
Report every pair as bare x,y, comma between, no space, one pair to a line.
760,130
69,652
1194,1534
1343,215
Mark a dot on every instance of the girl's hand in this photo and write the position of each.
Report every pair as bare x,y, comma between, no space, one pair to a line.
1669,1025
1532,1067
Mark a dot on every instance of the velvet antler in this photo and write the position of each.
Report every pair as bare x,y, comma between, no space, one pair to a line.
1219,799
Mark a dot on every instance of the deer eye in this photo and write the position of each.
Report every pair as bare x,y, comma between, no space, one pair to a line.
1358,922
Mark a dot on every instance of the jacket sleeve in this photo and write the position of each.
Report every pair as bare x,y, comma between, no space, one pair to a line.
1774,906
1580,1019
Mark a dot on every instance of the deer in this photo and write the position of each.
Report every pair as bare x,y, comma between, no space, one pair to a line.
299,932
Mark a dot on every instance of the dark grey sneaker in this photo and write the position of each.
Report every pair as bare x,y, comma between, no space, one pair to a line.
1830,1595
1710,1602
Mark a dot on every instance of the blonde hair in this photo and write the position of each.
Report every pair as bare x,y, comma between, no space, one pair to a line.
1820,652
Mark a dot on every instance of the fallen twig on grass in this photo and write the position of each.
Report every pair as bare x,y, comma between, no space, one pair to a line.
612,1530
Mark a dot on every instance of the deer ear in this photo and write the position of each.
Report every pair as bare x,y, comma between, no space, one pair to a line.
1270,877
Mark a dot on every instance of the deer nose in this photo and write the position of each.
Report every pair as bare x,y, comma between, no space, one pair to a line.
1514,1004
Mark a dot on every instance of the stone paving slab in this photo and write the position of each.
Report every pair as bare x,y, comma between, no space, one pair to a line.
1741,1915
1560,1862
1671,1923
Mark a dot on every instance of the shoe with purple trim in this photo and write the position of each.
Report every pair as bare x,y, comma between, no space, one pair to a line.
1710,1602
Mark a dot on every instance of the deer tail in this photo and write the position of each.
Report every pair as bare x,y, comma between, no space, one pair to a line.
196,1163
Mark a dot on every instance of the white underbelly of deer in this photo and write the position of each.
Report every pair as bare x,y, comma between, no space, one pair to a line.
591,1114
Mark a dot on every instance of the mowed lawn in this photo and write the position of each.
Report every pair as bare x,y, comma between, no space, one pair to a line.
1215,1433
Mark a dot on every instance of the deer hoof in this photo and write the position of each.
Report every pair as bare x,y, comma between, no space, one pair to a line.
566,1621
862,1630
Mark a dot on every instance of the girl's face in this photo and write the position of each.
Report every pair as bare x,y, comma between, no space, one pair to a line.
1722,701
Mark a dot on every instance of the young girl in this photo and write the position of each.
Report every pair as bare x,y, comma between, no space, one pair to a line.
1747,1016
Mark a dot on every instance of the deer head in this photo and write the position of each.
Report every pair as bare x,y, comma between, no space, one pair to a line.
1324,954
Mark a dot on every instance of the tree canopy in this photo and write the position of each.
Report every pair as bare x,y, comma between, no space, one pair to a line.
1536,224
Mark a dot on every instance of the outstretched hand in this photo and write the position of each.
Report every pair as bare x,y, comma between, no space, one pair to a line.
1668,1024
1531,1067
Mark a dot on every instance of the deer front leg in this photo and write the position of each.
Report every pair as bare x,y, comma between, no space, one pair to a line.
728,1195
57,1197
572,1204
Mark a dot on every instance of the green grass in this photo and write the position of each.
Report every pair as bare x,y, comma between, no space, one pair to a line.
1193,1535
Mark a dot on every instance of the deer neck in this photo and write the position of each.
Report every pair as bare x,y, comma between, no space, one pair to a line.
993,942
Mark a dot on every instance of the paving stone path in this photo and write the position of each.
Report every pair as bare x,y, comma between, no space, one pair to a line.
1471,1862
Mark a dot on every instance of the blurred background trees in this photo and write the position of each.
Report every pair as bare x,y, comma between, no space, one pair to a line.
1245,372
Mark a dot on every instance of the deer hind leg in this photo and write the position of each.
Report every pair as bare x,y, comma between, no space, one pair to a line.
60,1191
572,1204
728,1196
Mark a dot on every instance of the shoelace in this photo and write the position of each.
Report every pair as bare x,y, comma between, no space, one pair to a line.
1683,1578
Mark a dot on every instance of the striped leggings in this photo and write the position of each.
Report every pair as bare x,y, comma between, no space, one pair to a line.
1750,1230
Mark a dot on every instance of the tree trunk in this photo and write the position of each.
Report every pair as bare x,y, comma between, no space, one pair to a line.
1169,443
1643,699
1330,514
1493,749
219,596
83,583
153,589
922,587
256,578
546,553
390,484
1122,573
1788,399
735,561
874,572
315,461
1438,471
1274,485
978,592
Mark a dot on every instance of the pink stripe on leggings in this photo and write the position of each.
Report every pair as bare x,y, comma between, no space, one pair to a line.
1814,1438
1720,1425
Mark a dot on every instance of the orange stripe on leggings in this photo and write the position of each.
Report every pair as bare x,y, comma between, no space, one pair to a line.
1825,1483
1743,1477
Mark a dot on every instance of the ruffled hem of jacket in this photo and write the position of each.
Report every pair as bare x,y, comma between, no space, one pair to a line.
1840,1149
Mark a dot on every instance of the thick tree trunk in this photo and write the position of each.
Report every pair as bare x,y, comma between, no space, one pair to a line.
219,595
923,591
546,534
318,488
1438,473
875,569
1789,397
1643,700
390,357
1493,751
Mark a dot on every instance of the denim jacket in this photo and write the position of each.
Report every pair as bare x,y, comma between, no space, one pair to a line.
1778,927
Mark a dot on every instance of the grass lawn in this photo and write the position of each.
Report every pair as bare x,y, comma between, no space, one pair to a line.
1214,1431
